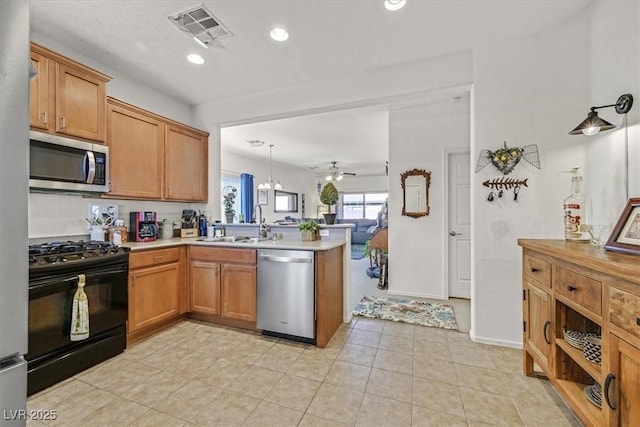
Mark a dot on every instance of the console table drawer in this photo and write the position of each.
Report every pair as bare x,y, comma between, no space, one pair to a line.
537,269
624,311
583,290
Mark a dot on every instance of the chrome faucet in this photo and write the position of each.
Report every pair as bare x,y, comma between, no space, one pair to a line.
258,209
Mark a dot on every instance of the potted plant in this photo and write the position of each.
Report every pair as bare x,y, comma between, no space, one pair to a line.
228,199
329,196
309,230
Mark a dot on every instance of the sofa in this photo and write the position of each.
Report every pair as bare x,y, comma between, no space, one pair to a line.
361,232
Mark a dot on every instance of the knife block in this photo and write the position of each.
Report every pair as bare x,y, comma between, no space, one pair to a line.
188,232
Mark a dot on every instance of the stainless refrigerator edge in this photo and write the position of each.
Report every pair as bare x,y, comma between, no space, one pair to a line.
14,193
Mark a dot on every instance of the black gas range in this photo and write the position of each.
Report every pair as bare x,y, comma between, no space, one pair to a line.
54,274
57,257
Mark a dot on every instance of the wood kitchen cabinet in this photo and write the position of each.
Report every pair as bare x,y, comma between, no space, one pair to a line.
536,308
67,97
136,152
153,158
204,287
589,290
222,283
186,164
157,290
238,292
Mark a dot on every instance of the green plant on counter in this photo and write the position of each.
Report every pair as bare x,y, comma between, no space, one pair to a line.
329,195
310,225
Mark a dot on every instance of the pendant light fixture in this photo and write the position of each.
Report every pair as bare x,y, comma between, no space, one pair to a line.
594,124
269,184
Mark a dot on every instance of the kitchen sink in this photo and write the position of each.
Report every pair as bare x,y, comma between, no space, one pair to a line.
233,239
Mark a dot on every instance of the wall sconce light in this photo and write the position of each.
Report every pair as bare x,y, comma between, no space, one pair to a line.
594,124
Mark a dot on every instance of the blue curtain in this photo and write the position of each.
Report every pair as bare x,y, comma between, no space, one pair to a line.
246,196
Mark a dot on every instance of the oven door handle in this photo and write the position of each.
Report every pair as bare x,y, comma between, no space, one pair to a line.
56,284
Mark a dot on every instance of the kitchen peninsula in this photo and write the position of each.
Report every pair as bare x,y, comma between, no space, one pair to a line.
215,281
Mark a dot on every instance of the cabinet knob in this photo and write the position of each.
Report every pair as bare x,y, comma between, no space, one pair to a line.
571,288
63,123
534,270
607,385
45,118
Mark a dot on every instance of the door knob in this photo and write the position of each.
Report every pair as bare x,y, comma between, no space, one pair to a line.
454,233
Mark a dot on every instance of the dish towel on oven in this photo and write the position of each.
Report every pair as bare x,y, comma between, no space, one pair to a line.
80,314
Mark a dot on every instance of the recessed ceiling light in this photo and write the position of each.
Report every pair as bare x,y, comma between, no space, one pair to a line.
394,4
279,34
195,59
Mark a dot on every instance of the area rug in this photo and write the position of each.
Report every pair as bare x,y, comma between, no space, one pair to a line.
357,251
408,311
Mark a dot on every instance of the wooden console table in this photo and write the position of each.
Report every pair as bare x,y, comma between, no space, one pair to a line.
580,287
380,241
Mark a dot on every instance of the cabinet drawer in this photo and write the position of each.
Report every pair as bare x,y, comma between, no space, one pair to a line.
236,256
537,269
581,289
624,311
153,257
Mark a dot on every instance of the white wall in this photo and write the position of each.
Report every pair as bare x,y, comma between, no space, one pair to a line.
418,136
523,91
354,89
535,90
294,180
355,184
614,39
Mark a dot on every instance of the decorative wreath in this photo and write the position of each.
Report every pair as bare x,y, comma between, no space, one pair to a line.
505,159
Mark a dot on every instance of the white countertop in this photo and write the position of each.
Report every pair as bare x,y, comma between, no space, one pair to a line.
316,245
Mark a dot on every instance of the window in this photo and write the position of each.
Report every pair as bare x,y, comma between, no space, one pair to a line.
234,181
362,205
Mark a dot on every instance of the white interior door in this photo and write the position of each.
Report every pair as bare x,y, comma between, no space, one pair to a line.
459,219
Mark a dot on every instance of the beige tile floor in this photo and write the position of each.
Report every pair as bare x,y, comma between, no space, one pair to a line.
372,373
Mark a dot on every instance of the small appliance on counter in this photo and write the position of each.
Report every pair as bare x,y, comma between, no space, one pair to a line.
189,224
166,229
143,226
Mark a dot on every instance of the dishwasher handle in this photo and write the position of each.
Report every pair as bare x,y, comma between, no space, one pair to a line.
286,259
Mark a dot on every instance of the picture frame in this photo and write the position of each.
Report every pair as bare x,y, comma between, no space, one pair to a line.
625,236
263,197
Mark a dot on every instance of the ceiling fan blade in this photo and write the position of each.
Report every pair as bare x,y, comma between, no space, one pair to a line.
348,173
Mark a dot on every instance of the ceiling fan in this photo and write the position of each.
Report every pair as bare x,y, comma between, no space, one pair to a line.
335,174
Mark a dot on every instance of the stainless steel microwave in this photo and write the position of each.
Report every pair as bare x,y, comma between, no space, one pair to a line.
62,164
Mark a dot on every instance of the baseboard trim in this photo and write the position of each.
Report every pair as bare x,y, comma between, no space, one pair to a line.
418,295
493,341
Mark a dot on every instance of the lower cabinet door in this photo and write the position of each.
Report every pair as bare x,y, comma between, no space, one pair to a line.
239,292
539,328
621,388
205,287
154,295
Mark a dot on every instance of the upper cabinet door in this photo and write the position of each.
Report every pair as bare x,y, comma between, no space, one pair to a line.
41,96
67,97
186,164
80,104
136,153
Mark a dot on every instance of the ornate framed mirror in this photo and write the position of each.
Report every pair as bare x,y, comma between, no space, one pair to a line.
415,192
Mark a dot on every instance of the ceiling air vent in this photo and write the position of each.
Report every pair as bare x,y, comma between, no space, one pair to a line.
201,24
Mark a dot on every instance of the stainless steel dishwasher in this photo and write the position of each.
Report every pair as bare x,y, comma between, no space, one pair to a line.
286,294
